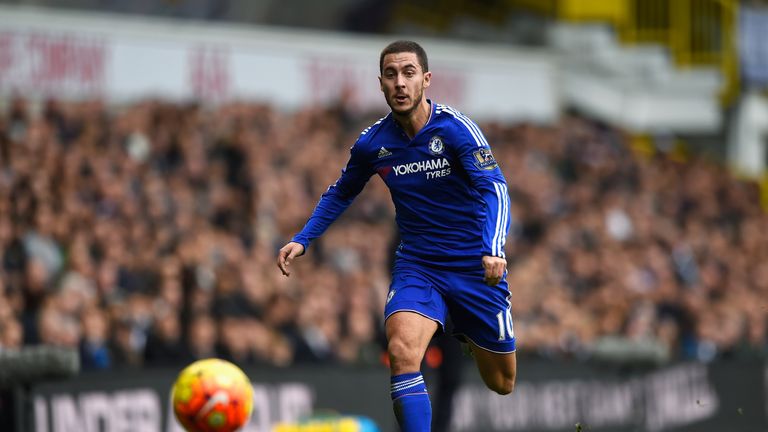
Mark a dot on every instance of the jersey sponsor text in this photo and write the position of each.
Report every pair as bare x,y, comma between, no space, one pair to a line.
421,166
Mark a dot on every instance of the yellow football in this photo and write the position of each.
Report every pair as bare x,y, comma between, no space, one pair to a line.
212,395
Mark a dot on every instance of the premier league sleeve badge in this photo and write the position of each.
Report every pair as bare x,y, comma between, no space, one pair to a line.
484,159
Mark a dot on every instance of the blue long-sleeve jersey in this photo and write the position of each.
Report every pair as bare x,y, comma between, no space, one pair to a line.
451,200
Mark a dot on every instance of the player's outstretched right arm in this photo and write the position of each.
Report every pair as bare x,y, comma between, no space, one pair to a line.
287,254
331,205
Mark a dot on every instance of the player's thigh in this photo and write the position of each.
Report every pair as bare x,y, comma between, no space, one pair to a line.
413,312
408,334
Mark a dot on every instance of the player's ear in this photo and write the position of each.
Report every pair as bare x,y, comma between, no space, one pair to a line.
381,85
427,79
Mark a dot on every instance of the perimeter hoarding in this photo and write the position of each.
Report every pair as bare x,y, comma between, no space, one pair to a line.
550,396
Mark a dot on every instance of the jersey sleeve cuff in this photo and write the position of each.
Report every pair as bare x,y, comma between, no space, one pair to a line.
302,241
488,253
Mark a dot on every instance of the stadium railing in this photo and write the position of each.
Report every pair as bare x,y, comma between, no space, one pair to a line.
696,32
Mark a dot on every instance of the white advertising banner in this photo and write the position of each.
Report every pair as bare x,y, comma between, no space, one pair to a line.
123,58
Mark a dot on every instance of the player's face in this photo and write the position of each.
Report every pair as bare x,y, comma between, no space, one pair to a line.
403,82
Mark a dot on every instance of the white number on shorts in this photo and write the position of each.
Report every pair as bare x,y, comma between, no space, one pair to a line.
506,329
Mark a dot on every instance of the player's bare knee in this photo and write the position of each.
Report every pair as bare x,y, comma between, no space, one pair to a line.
504,383
403,357
504,387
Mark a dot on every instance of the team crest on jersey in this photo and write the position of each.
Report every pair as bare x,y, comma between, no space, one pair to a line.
484,159
436,146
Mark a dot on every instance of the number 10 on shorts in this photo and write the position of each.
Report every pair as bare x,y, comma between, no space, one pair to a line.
506,329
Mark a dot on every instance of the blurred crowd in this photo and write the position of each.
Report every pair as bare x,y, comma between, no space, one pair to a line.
623,253
146,235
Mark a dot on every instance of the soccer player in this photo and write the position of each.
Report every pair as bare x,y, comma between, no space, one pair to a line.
452,210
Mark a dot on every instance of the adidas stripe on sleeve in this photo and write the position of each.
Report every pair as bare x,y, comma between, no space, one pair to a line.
486,177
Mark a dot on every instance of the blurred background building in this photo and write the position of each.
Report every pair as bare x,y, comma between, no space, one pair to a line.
154,154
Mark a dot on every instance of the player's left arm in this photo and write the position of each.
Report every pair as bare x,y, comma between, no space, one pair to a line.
486,177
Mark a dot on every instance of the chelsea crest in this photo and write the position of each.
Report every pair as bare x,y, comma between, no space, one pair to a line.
436,146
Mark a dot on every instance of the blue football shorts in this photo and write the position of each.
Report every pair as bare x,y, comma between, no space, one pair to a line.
479,312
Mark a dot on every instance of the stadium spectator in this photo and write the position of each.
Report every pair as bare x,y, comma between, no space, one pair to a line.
202,338
165,345
94,347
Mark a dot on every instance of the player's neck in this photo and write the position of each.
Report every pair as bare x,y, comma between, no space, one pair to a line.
416,119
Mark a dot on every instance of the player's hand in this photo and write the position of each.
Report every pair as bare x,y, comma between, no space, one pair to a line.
494,269
287,254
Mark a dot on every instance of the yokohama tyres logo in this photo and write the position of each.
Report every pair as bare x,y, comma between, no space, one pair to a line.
420,166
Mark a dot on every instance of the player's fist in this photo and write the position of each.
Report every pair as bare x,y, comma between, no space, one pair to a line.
287,254
494,269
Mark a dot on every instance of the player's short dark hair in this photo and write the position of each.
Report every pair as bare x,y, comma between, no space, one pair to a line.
405,46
